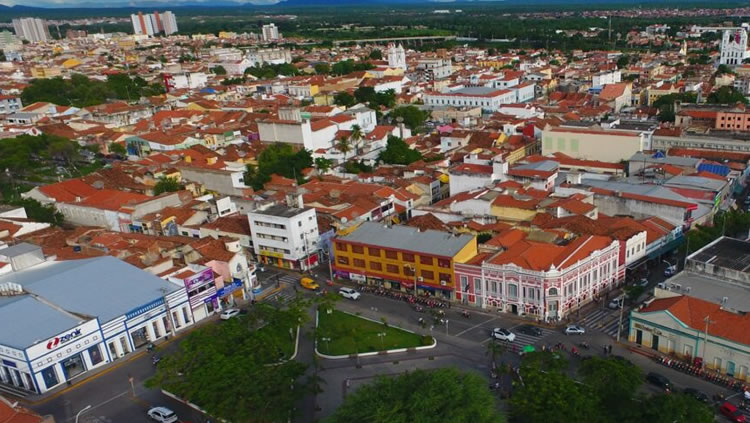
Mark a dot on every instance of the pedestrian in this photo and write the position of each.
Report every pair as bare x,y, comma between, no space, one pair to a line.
605,350
449,305
610,348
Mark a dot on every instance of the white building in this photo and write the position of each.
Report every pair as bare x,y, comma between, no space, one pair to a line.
734,48
433,69
31,29
191,80
270,32
285,236
396,56
74,320
604,78
274,56
170,22
489,99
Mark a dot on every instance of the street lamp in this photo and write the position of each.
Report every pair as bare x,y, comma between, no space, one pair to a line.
82,411
381,335
326,340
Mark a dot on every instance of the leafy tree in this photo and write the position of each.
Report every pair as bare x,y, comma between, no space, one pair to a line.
323,164
723,69
674,408
443,395
167,185
118,149
244,350
357,167
39,212
219,70
79,91
345,99
375,99
280,159
413,117
484,237
726,95
376,54
623,61
398,152
615,383
356,137
322,68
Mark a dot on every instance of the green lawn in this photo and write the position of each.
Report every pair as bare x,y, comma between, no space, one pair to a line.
350,334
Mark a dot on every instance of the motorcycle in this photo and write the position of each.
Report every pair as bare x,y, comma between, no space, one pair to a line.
585,345
155,360
150,347
465,314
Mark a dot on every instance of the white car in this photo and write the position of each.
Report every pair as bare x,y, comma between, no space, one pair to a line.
574,330
503,334
670,270
349,293
162,415
229,313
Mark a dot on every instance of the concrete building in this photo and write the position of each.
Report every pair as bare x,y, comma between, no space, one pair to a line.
285,236
274,56
489,99
32,29
734,47
270,32
605,78
432,69
594,143
398,257
154,23
544,280
69,325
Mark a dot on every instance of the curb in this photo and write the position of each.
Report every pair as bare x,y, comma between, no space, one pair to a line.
294,355
372,353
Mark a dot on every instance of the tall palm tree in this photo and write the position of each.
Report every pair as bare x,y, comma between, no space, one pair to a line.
356,137
344,145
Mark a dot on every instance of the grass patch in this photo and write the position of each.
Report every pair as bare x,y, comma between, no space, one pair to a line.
350,334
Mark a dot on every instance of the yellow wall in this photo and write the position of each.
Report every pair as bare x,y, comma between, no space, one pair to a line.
512,213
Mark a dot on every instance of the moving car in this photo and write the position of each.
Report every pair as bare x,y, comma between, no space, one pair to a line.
670,270
731,412
700,396
229,313
349,293
529,330
658,380
617,302
574,330
503,334
309,283
162,415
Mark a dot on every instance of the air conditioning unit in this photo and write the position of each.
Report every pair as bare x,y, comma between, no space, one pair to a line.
420,279
443,283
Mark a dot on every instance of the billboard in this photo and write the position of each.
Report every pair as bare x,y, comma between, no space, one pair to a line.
200,278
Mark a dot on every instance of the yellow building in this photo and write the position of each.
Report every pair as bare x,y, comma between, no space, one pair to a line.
654,92
71,63
396,257
45,72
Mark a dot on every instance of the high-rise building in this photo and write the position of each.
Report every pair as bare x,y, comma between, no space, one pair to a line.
734,48
270,32
154,23
31,29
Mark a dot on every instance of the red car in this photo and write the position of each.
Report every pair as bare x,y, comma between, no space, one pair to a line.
730,411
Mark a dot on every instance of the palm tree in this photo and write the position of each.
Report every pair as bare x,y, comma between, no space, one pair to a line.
356,137
344,146
494,350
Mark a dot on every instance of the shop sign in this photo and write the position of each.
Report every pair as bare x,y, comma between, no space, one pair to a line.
228,289
357,277
205,276
9,363
144,308
59,340
271,254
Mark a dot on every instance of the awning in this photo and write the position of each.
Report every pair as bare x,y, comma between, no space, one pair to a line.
671,245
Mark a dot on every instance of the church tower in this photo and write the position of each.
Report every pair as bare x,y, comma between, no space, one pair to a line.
396,56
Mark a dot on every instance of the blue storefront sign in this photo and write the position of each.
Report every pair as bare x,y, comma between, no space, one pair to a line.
228,289
144,308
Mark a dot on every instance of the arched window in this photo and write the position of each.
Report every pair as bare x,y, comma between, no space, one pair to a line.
552,291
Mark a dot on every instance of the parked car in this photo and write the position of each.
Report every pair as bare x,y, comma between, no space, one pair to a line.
503,334
670,270
731,412
229,313
700,396
616,302
658,380
349,293
574,330
529,330
162,415
643,282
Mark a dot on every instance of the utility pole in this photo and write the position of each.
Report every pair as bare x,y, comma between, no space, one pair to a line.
619,324
705,339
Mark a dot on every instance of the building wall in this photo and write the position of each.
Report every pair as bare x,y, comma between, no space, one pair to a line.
284,245
598,146
467,182
733,121
613,206
513,213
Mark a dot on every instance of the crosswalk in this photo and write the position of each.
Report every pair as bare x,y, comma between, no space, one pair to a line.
523,339
605,320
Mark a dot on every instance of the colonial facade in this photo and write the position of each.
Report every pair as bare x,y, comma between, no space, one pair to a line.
545,280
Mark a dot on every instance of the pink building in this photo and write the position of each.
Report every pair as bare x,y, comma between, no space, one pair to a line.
546,280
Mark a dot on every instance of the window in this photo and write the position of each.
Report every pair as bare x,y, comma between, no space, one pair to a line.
445,277
374,265
444,263
493,287
426,260
426,274
391,254
375,252
478,285
513,290
359,263
342,260
95,354
407,257
408,271
341,246
391,268
358,249
464,283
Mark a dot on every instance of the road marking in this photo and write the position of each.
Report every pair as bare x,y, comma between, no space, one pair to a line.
94,407
485,341
474,327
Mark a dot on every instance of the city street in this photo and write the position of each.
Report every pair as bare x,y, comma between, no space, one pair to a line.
461,343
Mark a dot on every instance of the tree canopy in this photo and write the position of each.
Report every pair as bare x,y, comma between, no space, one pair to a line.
726,95
269,71
345,99
167,185
25,153
413,117
80,91
39,212
375,99
398,152
348,66
280,159
244,352
443,395
376,54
